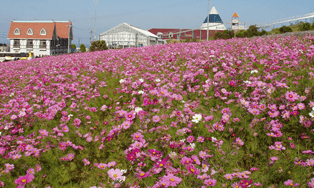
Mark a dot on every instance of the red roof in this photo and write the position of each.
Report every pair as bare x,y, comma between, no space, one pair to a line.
61,29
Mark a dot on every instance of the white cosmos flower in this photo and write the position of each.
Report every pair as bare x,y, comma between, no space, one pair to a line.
6,128
254,71
124,170
211,56
196,118
138,109
0,133
141,80
140,92
157,80
182,140
312,114
122,81
193,145
213,139
172,154
12,94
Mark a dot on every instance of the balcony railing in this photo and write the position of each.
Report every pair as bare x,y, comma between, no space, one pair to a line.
16,45
29,46
42,46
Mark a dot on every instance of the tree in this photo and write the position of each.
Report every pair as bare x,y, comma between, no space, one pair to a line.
82,48
98,45
285,29
73,46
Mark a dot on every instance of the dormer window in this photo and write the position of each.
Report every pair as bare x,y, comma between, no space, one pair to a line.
17,31
43,32
30,31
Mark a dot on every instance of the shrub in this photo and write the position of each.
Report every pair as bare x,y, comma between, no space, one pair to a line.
305,27
73,46
98,45
82,48
285,29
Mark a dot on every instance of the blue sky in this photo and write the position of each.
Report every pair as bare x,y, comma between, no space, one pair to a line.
145,14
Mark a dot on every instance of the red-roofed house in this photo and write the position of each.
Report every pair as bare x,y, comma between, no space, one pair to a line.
40,37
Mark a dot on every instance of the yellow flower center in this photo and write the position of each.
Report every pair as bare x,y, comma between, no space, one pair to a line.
115,175
23,180
142,174
172,179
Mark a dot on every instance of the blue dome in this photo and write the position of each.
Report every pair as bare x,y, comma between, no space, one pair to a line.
213,18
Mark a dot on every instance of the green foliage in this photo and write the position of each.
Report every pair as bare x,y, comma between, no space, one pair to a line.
285,29
73,46
98,45
305,27
82,48
225,35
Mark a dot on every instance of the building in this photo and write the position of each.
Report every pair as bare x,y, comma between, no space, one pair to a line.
215,21
236,25
40,37
215,25
125,35
4,48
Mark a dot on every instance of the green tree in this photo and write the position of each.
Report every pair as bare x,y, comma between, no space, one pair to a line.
73,46
252,31
285,29
82,48
98,45
305,27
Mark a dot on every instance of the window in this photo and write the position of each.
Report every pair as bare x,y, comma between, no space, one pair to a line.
42,44
43,32
29,44
17,31
30,31
16,43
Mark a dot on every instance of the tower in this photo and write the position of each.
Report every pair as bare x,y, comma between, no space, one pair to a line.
235,22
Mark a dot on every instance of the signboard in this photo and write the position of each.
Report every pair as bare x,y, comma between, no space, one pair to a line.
234,21
241,27
235,27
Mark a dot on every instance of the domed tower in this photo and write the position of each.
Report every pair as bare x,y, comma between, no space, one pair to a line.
215,21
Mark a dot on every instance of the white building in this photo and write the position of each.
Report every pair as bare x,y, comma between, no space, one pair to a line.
125,35
215,21
40,37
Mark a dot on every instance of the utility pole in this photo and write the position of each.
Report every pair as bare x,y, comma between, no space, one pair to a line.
79,42
95,2
69,36
91,36
208,22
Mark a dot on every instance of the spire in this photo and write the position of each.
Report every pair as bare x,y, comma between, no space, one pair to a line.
235,15
213,11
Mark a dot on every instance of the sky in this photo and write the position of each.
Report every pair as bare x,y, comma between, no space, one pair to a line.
180,14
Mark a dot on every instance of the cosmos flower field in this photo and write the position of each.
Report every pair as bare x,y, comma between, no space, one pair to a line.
224,113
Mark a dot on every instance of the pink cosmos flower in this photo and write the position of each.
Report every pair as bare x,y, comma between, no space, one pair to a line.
210,182
30,171
156,118
103,108
86,162
73,105
65,129
200,139
195,159
38,168
111,164
102,166
13,117
171,179
115,174
142,174
43,132
290,183
239,141
273,114
192,169
292,145
70,156
190,139
23,180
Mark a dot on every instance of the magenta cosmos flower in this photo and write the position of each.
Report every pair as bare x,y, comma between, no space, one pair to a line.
23,180
172,180
130,116
291,96
115,174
